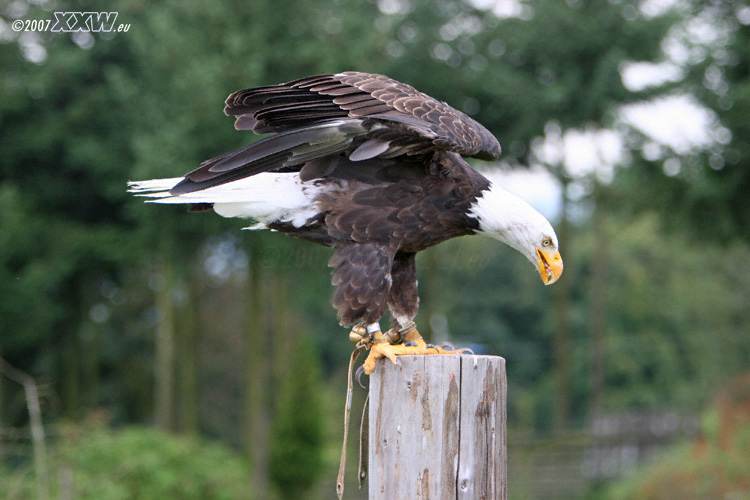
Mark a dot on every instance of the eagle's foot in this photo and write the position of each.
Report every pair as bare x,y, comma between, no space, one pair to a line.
391,344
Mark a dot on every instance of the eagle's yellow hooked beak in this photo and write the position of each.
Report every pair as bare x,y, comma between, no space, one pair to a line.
550,266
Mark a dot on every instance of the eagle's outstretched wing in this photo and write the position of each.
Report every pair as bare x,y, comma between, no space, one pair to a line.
361,114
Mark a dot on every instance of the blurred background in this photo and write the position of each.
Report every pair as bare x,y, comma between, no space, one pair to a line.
150,353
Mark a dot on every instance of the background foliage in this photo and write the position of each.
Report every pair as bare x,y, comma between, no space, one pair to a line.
94,463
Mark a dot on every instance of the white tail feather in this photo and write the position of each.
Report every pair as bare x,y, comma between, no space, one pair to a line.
154,188
267,197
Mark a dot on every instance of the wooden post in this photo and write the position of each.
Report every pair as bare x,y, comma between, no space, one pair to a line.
437,429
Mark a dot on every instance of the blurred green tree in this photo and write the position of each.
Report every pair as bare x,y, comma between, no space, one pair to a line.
297,432
703,191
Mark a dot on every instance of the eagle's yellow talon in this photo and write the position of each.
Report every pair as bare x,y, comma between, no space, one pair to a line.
413,344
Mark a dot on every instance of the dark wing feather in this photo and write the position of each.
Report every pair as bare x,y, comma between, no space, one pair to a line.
360,114
286,149
365,95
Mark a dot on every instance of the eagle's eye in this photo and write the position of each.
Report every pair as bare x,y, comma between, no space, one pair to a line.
547,242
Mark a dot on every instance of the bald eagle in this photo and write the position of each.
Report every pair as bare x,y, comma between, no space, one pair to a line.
374,169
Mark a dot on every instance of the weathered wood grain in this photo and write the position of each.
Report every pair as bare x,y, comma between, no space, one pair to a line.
437,429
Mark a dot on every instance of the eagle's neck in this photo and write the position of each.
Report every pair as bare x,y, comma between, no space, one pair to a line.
506,217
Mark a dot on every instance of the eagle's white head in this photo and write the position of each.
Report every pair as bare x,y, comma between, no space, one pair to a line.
510,219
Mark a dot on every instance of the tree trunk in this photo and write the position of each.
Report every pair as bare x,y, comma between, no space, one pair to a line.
280,321
561,334
187,366
89,357
70,371
598,312
165,349
256,424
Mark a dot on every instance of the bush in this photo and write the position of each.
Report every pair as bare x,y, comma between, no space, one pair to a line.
716,465
135,463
